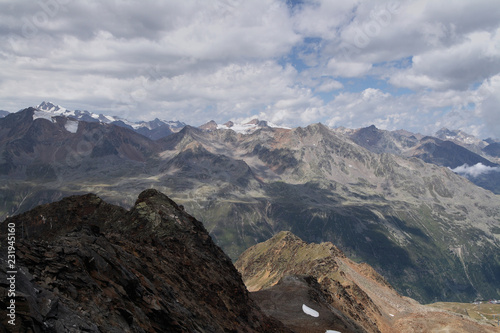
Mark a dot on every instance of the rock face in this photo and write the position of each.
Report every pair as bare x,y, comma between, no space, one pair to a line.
85,265
285,272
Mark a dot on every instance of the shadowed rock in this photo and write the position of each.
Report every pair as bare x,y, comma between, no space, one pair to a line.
85,265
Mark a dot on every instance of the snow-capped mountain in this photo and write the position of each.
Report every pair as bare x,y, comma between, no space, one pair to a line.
48,110
154,129
461,138
3,113
243,128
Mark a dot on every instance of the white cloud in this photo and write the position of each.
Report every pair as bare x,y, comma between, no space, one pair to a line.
329,85
475,170
456,67
198,60
347,68
487,99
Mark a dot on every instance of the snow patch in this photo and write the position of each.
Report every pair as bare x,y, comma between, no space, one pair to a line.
332,331
240,128
42,115
309,311
475,170
71,126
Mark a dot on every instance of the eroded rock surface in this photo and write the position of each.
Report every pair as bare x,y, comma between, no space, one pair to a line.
87,266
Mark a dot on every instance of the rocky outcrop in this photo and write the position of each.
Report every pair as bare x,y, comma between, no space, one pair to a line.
266,264
286,272
87,266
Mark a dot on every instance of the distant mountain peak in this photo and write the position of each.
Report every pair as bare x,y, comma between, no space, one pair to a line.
154,129
50,107
243,127
459,137
210,126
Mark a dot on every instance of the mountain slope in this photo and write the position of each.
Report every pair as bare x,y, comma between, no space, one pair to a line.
410,220
85,265
493,149
356,290
453,149
39,148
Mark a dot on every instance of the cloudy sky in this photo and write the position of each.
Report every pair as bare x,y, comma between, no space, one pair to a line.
417,65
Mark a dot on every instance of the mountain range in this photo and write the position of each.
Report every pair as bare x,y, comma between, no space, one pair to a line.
464,154
389,199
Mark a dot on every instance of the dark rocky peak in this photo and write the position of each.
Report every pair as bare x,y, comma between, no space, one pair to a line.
181,139
16,124
493,149
370,135
94,267
491,140
50,221
156,215
190,130
24,114
447,153
258,123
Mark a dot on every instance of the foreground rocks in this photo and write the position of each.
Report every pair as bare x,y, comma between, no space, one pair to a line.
87,266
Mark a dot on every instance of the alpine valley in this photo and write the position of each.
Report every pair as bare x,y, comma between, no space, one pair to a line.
390,199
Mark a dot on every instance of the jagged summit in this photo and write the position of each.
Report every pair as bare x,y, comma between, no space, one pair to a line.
85,265
243,128
50,107
154,129
460,137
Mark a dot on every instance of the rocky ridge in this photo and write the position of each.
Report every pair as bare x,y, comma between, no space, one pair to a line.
85,265
280,269
452,149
